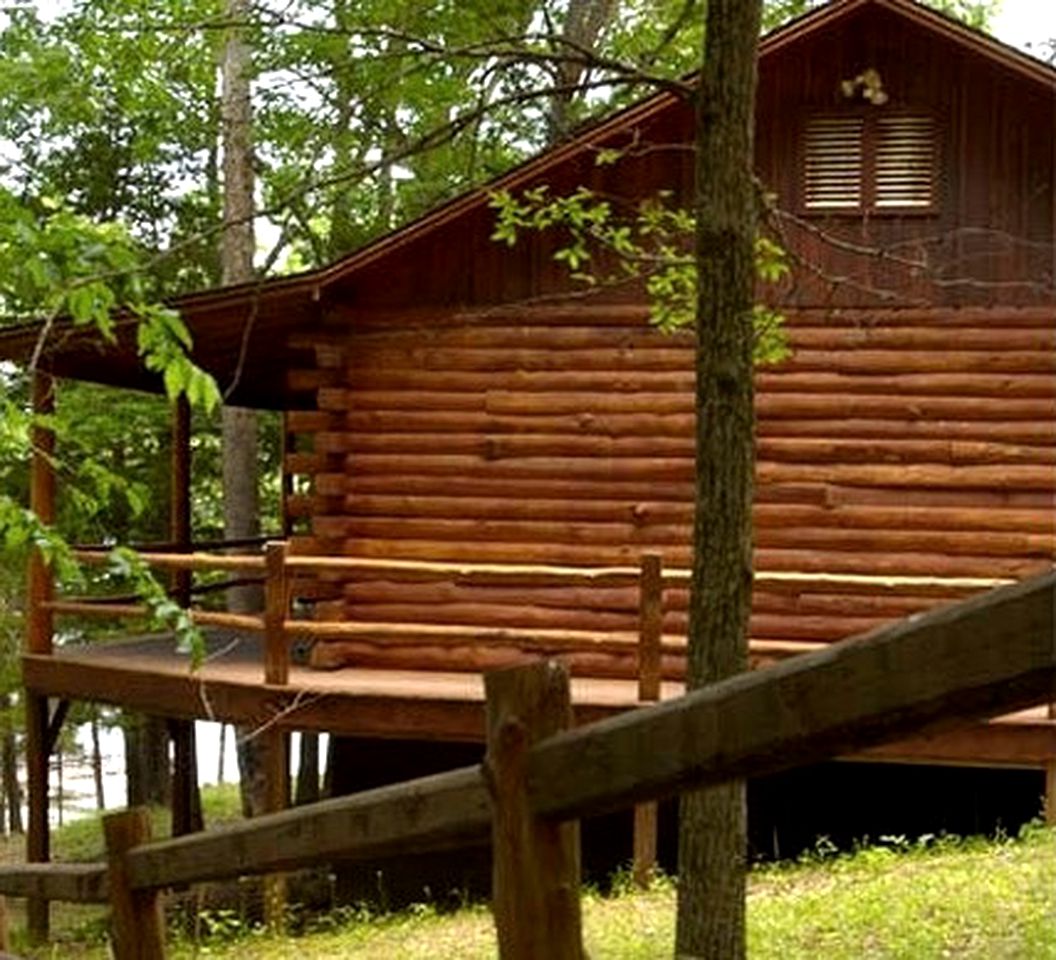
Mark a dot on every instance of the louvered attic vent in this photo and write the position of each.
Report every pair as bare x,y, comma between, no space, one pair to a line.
834,163
866,162
905,162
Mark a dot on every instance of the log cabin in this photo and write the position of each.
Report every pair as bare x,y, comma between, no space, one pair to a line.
486,461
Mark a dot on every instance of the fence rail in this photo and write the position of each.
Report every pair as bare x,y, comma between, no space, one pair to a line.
987,655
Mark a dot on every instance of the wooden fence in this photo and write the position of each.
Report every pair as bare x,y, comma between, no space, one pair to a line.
987,655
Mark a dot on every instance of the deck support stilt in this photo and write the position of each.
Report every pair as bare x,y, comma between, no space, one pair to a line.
38,640
650,636
38,837
186,801
1050,793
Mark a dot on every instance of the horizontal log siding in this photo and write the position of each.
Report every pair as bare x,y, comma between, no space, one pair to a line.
915,443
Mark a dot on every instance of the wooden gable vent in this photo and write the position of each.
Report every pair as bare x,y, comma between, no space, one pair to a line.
865,162
834,163
905,162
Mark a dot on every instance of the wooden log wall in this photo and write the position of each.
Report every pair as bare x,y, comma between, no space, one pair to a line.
911,443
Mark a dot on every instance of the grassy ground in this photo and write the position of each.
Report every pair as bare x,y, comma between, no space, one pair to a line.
973,899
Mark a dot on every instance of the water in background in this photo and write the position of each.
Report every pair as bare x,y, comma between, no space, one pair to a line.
78,790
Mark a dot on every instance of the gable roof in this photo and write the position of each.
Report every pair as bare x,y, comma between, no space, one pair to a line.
218,318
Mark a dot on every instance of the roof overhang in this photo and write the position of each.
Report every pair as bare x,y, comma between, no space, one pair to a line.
241,332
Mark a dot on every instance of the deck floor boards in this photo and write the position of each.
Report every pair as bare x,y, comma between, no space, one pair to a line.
147,673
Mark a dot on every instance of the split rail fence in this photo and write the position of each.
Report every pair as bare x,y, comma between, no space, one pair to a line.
990,654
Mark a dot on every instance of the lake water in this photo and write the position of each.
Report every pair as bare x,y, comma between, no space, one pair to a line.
78,791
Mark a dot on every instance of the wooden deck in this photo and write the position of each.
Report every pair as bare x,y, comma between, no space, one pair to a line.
146,673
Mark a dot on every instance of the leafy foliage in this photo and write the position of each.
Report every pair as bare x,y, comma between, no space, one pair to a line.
651,244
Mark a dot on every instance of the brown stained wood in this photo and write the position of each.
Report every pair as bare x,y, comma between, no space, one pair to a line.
137,924
67,882
38,834
1040,544
513,469
39,588
819,562
808,493
186,801
442,634
432,813
990,654
493,446
184,561
216,618
39,631
1050,792
535,863
680,425
651,623
479,573
650,512
503,402
276,610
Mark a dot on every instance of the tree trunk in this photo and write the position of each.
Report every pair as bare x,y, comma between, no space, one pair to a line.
585,22
147,772
240,444
97,765
221,755
308,769
713,823
12,789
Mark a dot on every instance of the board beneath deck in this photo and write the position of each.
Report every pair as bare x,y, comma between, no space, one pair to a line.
148,674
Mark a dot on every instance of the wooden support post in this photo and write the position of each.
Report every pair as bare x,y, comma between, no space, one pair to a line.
1050,793
186,801
651,629
39,632
137,925
276,608
535,876
5,928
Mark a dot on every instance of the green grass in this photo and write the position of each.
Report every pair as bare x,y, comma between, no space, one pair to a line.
990,900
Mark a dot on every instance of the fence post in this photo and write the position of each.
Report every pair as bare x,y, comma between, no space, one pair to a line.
138,929
650,633
535,874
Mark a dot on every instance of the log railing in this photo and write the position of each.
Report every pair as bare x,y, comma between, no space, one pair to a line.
655,654
984,656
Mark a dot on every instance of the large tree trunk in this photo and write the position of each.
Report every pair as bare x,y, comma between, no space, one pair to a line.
713,822
147,771
97,763
9,761
585,22
240,458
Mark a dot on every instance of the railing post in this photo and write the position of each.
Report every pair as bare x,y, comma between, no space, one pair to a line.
276,608
137,925
535,874
650,634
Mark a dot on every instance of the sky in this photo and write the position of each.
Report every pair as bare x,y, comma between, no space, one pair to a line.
1026,24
